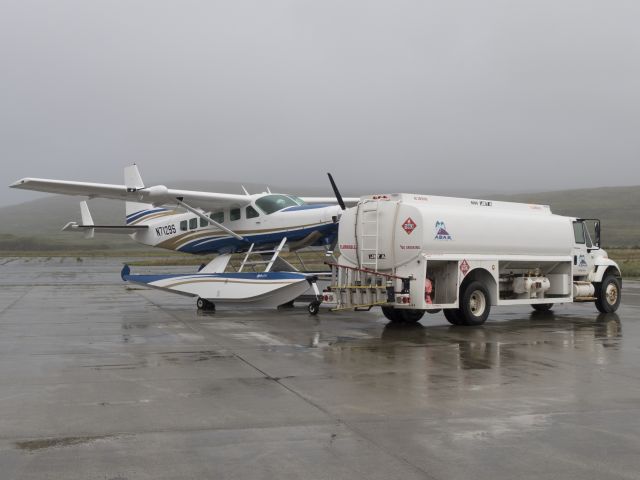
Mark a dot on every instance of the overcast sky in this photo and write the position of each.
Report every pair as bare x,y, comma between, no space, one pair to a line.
495,96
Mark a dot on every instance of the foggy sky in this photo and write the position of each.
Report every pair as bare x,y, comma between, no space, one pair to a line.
495,96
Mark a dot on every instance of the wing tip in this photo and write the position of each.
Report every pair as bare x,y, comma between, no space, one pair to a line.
19,183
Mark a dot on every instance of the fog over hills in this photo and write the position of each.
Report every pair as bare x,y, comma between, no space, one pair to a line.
43,218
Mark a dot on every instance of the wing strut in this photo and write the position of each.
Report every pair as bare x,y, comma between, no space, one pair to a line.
207,219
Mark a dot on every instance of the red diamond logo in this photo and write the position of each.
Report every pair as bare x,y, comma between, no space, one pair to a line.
464,267
409,225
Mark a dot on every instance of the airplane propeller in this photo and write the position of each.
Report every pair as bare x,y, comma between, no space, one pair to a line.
337,192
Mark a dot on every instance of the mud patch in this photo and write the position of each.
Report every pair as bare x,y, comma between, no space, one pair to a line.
185,358
44,443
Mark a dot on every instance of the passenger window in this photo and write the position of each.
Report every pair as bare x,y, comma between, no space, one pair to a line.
203,222
217,217
252,212
578,232
183,226
234,214
193,223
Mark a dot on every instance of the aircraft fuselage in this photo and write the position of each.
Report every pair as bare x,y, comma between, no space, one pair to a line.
304,225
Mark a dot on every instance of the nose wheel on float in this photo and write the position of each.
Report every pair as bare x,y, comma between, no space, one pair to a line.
205,305
314,307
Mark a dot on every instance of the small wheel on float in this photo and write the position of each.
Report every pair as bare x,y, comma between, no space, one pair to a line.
314,307
201,303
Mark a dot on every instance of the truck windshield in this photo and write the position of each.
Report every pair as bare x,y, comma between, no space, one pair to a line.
274,203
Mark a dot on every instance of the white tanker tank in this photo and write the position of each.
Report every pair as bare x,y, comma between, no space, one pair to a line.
465,255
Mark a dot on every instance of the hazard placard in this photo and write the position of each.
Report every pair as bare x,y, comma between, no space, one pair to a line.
464,267
409,225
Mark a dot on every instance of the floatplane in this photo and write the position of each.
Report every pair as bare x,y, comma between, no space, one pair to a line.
213,223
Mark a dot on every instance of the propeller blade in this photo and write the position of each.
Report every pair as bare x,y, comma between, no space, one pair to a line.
337,193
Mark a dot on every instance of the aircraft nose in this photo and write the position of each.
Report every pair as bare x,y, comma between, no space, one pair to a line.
331,213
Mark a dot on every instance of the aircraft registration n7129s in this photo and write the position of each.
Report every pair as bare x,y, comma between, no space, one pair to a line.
203,222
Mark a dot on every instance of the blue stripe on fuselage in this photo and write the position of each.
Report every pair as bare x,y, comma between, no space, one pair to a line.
135,216
228,244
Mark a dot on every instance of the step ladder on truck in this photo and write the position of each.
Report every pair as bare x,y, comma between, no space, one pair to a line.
363,287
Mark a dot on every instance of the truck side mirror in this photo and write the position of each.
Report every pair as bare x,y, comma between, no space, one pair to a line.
597,239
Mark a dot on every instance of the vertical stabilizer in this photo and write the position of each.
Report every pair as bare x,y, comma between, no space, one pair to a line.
85,214
132,178
87,220
133,181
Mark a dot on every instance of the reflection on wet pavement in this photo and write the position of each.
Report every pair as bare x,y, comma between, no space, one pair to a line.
101,381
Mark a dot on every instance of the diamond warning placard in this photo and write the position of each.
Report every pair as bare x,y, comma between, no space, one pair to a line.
409,225
464,267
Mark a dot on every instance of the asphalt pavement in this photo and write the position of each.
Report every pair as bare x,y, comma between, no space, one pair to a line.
100,380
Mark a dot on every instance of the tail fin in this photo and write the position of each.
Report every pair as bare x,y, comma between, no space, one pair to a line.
133,182
87,220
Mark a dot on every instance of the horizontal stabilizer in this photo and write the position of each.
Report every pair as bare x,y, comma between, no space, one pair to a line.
117,229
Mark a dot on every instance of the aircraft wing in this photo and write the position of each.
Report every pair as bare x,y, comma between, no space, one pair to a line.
157,195
331,200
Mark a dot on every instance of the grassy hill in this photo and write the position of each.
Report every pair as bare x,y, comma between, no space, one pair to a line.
617,208
36,225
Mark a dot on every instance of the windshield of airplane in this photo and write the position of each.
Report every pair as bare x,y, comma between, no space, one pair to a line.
274,203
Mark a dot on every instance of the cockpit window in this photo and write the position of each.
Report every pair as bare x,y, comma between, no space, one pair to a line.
578,232
274,203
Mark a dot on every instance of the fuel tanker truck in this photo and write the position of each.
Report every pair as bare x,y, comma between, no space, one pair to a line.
412,254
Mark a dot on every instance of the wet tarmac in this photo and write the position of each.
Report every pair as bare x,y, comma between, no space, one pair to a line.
102,381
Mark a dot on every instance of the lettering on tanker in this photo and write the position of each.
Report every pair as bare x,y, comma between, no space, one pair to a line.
441,231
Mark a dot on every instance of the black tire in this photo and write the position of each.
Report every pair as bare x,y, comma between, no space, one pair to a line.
201,303
475,304
608,294
396,315
205,305
453,316
391,314
541,307
411,316
314,307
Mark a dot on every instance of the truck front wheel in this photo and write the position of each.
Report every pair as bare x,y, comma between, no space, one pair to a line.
608,294
474,304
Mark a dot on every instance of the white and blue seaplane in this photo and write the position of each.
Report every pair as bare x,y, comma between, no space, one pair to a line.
213,223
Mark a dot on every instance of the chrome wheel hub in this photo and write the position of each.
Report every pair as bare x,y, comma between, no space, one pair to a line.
477,303
611,293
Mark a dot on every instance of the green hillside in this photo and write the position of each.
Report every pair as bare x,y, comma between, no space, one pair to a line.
617,208
36,225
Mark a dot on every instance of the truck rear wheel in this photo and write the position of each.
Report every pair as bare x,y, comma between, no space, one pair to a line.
402,316
453,316
541,307
474,304
391,314
411,316
608,294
